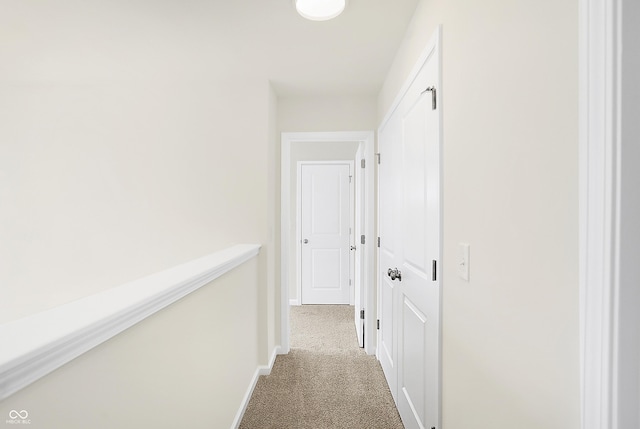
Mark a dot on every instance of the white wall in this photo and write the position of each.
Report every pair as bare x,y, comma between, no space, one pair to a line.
105,183
115,164
120,157
510,100
330,113
177,368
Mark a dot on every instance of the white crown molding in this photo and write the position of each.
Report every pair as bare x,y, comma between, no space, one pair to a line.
37,345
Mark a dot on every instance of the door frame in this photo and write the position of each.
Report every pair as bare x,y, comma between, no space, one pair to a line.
367,286
604,316
350,163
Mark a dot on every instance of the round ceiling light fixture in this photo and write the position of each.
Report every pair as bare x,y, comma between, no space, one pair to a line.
320,10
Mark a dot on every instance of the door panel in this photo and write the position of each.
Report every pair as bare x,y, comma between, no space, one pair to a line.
324,274
325,220
413,321
326,204
386,330
413,189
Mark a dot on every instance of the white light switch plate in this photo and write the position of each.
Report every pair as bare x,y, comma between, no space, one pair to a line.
463,261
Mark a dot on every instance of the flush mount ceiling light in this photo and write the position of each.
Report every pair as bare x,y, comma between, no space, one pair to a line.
320,10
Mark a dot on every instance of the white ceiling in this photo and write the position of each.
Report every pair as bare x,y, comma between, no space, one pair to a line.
350,54
78,40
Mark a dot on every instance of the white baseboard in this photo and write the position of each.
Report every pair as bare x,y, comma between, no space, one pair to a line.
266,370
294,301
261,370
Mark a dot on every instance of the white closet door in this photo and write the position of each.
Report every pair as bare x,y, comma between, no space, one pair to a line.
409,337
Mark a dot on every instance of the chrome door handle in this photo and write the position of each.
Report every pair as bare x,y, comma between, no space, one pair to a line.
305,241
394,274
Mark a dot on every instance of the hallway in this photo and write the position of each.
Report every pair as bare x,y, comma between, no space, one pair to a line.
326,381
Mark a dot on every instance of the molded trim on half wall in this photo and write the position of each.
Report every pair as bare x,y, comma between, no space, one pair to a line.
261,370
45,341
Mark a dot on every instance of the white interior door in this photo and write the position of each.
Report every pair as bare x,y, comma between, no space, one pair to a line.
419,292
325,221
410,251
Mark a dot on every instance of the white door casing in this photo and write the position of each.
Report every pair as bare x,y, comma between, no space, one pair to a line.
410,231
388,218
352,247
325,222
358,253
609,213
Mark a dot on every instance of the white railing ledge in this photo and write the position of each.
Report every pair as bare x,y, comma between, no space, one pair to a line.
38,344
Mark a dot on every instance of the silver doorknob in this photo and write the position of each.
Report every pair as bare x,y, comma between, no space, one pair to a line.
305,241
395,274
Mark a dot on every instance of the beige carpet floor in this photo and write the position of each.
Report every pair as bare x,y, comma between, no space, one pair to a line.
326,381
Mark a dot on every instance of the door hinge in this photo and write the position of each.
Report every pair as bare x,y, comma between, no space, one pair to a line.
378,241
362,239
362,163
349,282
362,314
434,270
378,324
350,179
378,155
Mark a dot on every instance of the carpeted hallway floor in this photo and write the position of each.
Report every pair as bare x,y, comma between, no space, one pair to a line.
325,382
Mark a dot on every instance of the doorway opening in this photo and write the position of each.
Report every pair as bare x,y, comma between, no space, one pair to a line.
363,229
